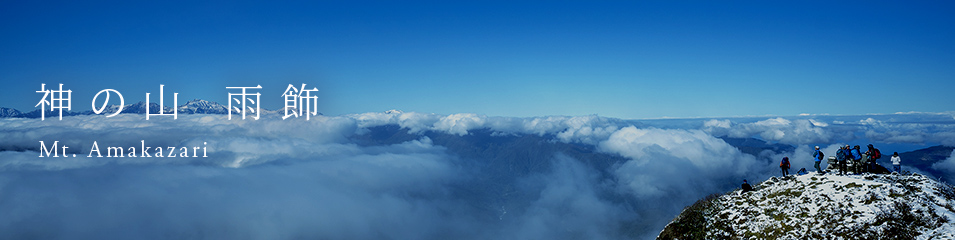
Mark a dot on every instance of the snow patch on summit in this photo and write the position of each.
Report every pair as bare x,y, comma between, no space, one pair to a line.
828,207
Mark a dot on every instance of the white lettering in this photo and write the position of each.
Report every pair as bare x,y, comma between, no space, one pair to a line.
95,148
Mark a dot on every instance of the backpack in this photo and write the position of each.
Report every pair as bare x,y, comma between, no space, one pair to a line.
819,155
876,154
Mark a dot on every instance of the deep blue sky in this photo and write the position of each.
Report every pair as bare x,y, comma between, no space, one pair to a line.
630,60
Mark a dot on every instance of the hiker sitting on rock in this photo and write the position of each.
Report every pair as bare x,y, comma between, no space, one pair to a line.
746,187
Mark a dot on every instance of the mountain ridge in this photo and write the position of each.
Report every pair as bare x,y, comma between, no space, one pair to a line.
195,106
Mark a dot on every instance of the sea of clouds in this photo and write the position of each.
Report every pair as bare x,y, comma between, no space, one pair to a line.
280,179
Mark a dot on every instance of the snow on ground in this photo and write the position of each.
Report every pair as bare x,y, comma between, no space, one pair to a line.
835,207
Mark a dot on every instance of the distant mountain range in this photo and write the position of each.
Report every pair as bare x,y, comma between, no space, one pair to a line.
923,159
196,106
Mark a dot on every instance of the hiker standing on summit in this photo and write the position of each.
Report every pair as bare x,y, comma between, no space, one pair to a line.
841,158
874,154
896,162
784,165
856,160
818,159
848,151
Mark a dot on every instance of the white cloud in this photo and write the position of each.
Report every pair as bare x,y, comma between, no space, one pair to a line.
947,165
904,128
671,166
667,161
870,121
460,123
271,178
713,123
798,131
569,200
909,132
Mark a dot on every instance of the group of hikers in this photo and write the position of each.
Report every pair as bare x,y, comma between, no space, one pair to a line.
861,162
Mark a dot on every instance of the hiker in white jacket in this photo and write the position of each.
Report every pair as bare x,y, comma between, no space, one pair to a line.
896,162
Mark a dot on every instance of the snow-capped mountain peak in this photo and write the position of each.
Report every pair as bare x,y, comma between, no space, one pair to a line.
9,113
202,106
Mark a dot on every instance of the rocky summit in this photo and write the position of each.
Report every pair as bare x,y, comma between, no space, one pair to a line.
812,206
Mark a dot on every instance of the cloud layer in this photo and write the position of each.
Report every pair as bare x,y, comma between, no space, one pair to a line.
902,128
600,178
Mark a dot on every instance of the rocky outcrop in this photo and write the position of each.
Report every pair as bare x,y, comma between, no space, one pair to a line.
870,206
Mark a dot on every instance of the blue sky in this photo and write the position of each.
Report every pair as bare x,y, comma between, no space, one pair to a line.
648,59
